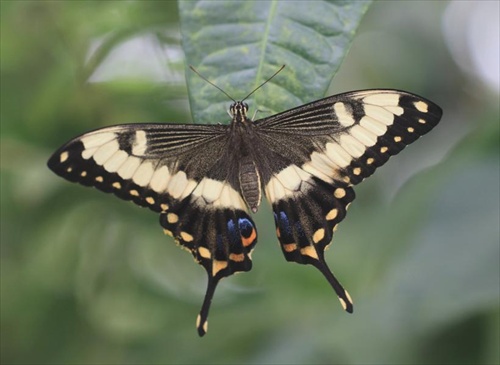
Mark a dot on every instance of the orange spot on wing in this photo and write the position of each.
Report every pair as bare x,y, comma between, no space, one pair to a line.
289,247
237,257
247,241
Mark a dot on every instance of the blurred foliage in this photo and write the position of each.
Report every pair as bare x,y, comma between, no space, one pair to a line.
87,278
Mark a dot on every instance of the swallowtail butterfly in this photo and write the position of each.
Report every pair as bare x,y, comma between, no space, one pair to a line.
204,180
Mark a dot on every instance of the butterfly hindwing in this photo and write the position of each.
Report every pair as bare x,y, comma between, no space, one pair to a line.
212,223
307,211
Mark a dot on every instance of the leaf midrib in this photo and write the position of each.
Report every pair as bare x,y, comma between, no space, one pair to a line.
265,41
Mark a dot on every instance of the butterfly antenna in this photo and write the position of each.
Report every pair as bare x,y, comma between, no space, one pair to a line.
211,83
265,82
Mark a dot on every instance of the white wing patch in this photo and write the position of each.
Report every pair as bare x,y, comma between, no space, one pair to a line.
383,99
128,168
344,117
286,183
104,148
177,184
380,108
218,194
116,161
140,143
97,139
143,174
104,152
159,180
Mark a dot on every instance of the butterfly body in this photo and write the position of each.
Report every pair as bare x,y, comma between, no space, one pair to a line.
204,180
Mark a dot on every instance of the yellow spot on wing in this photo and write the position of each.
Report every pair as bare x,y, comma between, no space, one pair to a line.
421,106
117,185
318,235
64,156
356,171
204,252
218,266
397,139
172,218
150,200
99,179
339,193
164,207
186,236
237,257
134,192
384,149
332,214
289,247
309,251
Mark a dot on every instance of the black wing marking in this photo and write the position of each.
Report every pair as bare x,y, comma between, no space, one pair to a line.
151,164
346,137
323,148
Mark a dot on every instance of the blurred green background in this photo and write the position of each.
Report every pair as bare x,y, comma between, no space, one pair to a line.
89,279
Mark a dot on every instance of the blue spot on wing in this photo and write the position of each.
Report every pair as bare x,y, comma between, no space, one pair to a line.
246,227
285,227
234,234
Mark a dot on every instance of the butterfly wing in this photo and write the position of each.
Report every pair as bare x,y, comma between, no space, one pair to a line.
181,171
324,148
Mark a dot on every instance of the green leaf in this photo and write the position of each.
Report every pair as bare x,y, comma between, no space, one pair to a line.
238,45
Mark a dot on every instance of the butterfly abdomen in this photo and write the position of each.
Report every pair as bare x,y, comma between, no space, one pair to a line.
250,183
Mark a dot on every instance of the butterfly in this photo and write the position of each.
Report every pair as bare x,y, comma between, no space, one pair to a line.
206,180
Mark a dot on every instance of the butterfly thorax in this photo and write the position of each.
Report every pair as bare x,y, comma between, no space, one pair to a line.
248,173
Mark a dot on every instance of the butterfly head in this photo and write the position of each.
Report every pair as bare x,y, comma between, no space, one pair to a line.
238,111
